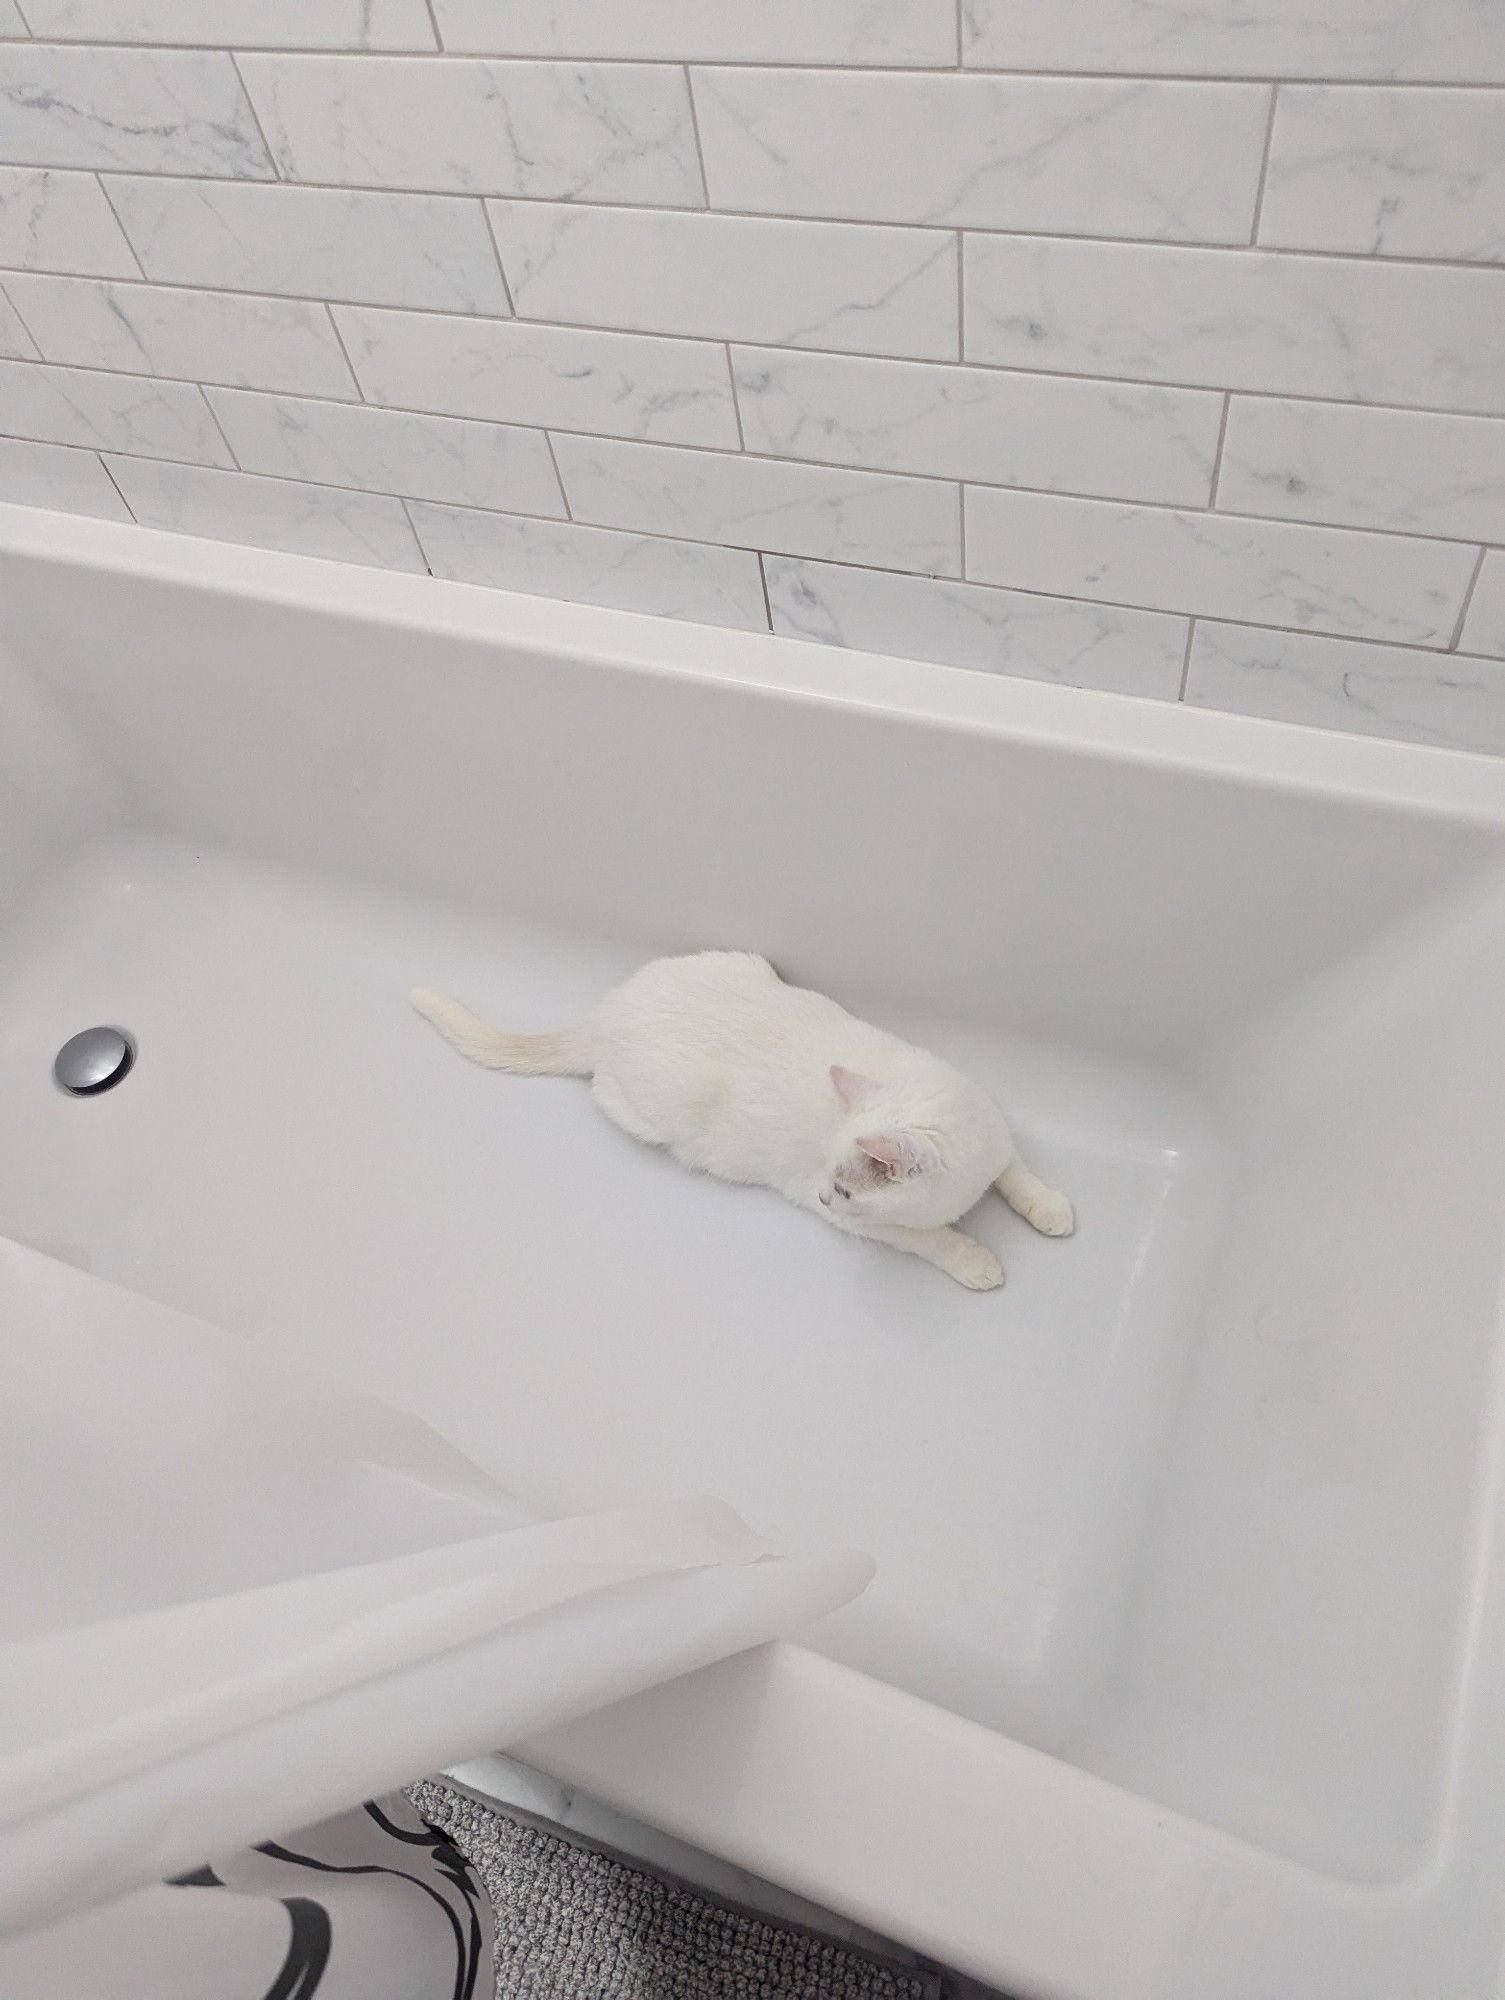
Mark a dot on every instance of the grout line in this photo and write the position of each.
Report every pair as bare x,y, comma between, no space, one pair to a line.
961,295
1217,462
255,120
1191,633
960,35
105,463
423,554
214,418
1019,73
564,498
355,380
763,579
98,180
439,48
705,179
731,376
1264,168
9,297
1468,598
496,250
27,26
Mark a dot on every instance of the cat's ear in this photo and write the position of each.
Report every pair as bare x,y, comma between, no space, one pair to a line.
849,1087
900,1154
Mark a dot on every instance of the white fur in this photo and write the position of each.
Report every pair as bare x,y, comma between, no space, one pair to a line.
754,1081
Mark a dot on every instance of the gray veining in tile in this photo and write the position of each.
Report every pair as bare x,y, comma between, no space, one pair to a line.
152,110
1439,698
59,477
1080,156
971,625
53,220
561,131
130,413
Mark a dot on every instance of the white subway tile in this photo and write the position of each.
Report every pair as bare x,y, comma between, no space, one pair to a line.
203,336
152,111
1268,572
15,341
131,413
1442,41
1169,160
793,31
625,384
1394,173
391,451
709,586
269,513
56,476
1484,627
1366,468
968,625
52,220
325,243
761,503
239,24
1437,698
1361,331
804,284
980,423
563,131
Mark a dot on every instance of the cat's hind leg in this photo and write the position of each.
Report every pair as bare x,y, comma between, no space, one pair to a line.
1041,1206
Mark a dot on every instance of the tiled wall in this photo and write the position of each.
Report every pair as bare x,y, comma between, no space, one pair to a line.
1154,345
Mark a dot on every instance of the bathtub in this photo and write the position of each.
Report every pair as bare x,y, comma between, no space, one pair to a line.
1182,1675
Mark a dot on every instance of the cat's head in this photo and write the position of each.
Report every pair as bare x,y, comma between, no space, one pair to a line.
911,1156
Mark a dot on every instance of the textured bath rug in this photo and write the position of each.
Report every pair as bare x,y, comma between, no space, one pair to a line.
574,1923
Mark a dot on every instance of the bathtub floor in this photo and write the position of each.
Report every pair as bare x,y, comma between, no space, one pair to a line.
297,1157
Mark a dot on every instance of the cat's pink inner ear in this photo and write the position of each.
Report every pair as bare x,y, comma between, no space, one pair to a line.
887,1148
848,1085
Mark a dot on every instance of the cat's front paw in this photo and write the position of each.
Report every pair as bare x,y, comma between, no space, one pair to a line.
1051,1213
977,1268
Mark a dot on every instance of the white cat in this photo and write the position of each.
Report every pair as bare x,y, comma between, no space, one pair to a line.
744,1077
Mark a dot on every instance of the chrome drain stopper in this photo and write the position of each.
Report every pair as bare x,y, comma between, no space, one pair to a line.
94,1061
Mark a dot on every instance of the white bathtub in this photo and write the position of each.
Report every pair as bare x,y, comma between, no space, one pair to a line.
1182,1678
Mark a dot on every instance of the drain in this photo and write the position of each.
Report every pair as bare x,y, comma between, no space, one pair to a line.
94,1061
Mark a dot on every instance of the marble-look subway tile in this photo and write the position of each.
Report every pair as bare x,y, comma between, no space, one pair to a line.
1484,627
15,342
53,220
131,413
11,24
970,625
391,451
269,513
737,277
761,503
707,585
1364,468
148,110
793,31
1358,330
1333,580
222,337
239,24
1438,698
560,131
1440,41
1394,173
59,477
1110,438
327,243
623,384
1175,161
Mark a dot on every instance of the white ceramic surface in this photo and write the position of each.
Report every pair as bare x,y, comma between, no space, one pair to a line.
1181,1674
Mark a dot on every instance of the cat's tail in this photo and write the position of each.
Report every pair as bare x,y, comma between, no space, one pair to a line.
565,1054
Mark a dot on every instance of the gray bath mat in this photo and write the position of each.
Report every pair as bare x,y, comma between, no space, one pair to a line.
574,1923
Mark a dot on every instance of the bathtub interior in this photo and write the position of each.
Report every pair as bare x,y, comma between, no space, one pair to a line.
1192,1502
